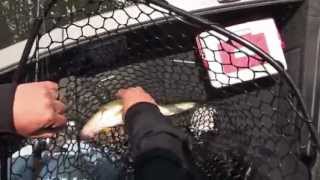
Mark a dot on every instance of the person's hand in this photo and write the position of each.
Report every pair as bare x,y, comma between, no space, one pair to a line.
36,110
132,96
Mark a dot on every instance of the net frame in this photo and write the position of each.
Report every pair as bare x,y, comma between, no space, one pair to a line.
192,19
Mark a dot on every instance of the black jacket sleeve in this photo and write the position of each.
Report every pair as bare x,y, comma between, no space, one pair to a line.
160,150
7,93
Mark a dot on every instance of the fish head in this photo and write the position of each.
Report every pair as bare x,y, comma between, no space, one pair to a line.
108,116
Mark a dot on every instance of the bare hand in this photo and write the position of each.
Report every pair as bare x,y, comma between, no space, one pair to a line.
36,110
132,96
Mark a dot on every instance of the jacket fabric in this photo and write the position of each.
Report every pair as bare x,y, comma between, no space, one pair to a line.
160,150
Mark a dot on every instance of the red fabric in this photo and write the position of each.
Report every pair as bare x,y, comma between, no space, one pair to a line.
228,54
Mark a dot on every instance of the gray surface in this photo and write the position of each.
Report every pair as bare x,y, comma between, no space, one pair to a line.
311,76
10,57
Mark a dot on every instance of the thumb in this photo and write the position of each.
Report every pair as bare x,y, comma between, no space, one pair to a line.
46,133
120,93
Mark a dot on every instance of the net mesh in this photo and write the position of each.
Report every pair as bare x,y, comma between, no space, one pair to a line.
244,126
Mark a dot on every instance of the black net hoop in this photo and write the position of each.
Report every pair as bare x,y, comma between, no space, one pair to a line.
243,128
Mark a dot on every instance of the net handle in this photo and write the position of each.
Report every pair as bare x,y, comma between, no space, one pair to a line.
231,36
36,25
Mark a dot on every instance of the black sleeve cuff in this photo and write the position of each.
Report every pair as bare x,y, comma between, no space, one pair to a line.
7,93
143,117
148,129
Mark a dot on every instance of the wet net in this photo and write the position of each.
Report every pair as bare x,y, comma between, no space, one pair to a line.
251,126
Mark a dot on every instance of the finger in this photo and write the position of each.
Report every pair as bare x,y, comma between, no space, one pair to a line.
59,107
51,85
59,121
120,93
53,94
139,88
44,135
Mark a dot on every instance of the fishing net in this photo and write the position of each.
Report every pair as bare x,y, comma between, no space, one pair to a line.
241,128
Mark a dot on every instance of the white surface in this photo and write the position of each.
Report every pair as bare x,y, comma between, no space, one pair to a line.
11,55
61,36
210,52
24,151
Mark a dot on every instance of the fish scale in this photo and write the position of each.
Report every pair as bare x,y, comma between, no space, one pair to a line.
110,115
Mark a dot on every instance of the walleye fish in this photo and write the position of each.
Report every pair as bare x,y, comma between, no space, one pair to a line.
110,115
